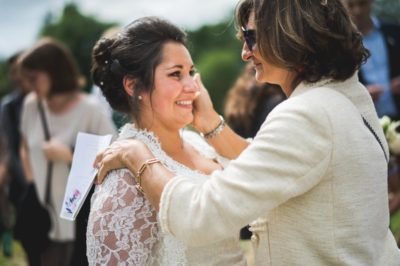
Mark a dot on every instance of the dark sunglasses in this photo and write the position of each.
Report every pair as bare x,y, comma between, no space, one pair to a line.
249,38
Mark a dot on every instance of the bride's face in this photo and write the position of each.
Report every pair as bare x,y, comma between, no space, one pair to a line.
171,103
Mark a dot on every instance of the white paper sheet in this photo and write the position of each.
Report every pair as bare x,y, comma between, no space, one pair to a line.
82,173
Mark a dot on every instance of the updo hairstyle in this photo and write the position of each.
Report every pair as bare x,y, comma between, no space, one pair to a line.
135,52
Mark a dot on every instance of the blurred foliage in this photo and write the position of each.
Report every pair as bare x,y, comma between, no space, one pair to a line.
4,81
212,37
395,226
388,10
216,54
79,32
219,69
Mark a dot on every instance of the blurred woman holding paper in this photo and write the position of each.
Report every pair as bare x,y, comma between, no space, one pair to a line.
57,101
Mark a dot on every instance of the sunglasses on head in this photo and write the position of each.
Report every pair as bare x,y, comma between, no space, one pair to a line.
249,38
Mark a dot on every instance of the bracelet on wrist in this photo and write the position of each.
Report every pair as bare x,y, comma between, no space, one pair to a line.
141,170
216,130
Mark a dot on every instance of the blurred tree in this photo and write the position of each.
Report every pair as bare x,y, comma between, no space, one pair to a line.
216,54
79,32
388,10
4,82
211,37
219,69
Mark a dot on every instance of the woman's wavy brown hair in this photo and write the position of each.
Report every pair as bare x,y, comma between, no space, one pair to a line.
315,38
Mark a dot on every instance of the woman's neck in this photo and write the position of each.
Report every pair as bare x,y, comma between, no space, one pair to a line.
290,83
171,142
61,103
170,139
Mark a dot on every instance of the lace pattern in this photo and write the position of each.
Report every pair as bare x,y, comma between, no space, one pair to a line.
123,227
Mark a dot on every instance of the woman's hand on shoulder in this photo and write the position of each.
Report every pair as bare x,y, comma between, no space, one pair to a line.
126,153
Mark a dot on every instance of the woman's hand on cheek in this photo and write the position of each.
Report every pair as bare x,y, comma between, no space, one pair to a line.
203,110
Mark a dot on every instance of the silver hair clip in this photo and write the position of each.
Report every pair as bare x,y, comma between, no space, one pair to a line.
106,62
101,83
324,2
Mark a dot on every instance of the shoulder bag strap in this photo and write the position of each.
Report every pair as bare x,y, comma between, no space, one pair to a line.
49,163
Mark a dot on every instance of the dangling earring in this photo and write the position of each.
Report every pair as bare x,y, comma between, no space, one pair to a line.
140,98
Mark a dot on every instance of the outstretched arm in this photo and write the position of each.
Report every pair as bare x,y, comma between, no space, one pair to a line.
227,143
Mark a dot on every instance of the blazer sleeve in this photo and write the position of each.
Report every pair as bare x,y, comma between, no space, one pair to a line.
289,156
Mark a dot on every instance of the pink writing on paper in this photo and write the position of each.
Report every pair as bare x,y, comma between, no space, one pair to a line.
71,202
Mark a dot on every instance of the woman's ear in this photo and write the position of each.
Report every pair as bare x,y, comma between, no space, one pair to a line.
129,85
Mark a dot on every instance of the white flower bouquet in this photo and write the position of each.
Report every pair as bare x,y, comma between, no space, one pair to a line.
392,136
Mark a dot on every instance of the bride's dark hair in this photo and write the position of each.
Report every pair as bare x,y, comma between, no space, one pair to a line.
135,52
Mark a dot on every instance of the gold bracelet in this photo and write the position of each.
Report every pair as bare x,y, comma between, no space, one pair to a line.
216,130
139,173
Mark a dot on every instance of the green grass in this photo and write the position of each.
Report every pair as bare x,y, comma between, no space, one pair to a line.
17,259
395,225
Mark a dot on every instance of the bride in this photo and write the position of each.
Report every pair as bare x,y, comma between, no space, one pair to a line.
147,72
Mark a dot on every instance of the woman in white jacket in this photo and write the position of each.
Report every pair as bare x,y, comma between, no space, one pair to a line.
315,175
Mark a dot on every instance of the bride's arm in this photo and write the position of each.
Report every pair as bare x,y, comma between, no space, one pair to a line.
131,154
122,224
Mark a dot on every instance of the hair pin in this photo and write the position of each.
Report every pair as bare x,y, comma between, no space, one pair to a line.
324,2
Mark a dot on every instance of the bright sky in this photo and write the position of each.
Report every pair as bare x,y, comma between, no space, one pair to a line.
21,20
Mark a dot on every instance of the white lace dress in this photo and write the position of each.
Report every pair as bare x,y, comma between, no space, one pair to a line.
123,227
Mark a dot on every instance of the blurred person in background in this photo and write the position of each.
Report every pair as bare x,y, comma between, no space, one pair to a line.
249,102
7,213
10,117
51,72
381,72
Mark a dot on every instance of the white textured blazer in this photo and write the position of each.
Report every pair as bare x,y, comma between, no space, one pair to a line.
314,176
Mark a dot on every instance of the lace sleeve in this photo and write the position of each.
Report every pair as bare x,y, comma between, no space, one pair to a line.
122,224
